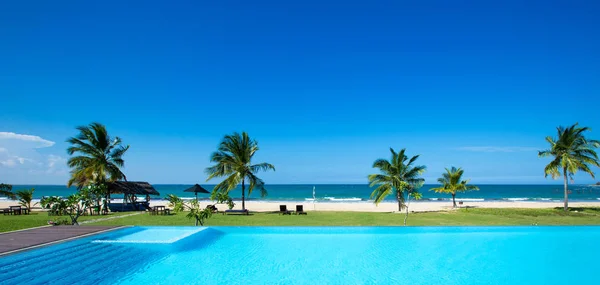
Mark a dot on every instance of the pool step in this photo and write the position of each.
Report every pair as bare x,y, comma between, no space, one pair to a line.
103,272
35,257
61,266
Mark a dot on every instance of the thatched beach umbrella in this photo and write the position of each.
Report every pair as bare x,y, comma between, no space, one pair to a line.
197,189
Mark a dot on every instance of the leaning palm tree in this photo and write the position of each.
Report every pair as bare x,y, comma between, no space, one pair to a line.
399,176
452,183
572,152
233,160
98,157
6,190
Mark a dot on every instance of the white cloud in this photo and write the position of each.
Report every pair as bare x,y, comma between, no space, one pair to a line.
40,142
21,160
56,165
12,160
53,159
8,162
498,148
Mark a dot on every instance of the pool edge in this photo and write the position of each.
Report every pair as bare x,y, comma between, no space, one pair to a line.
3,254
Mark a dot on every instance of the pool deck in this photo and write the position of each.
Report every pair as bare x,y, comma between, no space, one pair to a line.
11,242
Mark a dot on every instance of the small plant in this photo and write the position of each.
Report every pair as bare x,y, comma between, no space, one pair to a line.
58,222
74,206
193,206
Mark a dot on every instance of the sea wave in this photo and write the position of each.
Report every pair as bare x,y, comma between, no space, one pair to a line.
470,199
334,199
516,199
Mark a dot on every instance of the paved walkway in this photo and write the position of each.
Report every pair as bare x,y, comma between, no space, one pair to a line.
109,218
18,240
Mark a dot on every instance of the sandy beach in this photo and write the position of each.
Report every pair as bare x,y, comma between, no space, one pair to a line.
420,206
393,207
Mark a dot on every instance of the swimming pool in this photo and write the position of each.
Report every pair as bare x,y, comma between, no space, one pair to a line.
315,255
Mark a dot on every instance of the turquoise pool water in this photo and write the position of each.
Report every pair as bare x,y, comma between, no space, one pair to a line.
316,255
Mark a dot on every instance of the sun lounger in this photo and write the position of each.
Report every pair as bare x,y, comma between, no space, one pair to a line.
283,210
300,210
244,212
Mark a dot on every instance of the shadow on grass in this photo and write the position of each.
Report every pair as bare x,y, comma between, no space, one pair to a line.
591,210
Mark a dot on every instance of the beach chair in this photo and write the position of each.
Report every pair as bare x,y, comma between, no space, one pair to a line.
151,210
300,210
283,210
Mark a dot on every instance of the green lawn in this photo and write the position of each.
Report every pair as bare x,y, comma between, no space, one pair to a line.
589,216
483,217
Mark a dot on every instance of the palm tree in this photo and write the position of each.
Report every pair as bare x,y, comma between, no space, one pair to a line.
572,152
452,183
6,190
98,157
398,175
25,198
233,160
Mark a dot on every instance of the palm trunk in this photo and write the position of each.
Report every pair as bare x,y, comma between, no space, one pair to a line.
107,198
399,201
566,189
407,204
453,200
196,221
243,194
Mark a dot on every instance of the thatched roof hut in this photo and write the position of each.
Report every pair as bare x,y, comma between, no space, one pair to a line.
131,188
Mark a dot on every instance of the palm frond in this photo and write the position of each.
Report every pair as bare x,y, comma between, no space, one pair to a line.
396,175
95,156
452,182
233,158
381,192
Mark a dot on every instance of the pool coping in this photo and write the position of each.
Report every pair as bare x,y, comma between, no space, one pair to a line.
3,254
26,229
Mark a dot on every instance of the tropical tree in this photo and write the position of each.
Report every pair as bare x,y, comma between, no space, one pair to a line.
572,152
98,157
193,208
233,160
452,183
397,176
75,205
25,197
6,190
56,205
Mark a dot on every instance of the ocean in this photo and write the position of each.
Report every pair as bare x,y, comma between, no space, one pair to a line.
360,192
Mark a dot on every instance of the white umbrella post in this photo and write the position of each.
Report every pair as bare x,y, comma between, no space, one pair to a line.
314,198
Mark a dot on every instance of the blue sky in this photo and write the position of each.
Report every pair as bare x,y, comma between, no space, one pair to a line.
326,87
